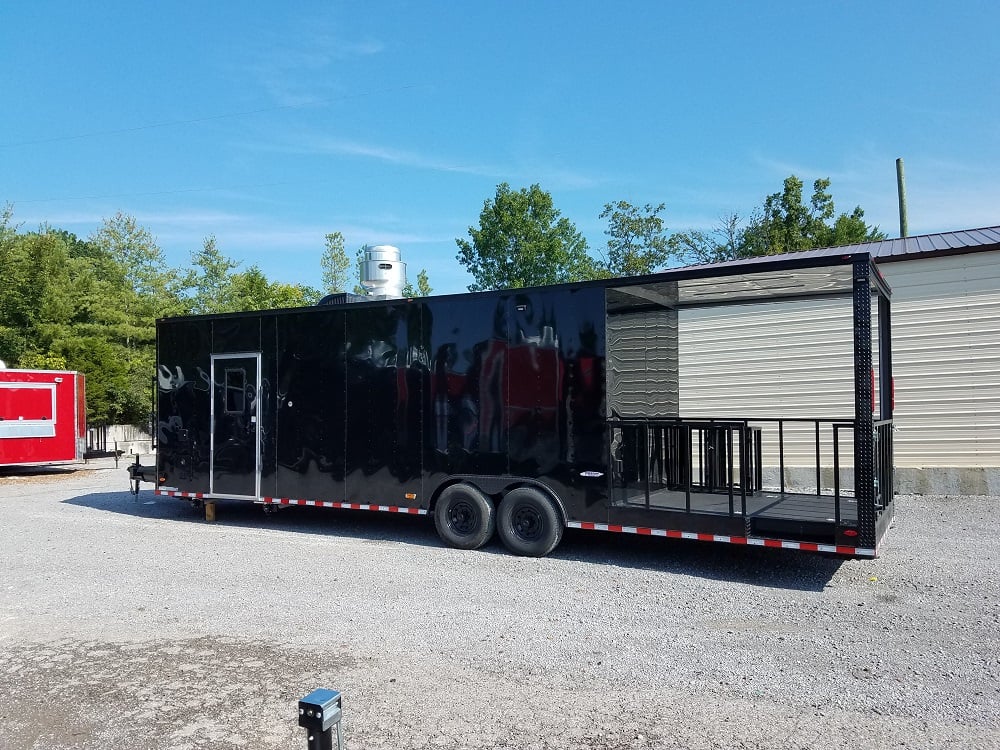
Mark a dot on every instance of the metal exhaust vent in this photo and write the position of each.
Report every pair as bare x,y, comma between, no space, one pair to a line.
383,274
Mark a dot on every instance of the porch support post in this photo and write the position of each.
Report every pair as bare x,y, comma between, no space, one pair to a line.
864,438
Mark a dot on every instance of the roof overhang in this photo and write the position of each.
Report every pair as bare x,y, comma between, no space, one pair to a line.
752,280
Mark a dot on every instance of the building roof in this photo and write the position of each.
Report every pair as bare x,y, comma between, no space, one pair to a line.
925,245
902,248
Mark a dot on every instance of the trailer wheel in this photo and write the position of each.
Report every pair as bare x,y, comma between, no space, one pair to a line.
464,517
529,523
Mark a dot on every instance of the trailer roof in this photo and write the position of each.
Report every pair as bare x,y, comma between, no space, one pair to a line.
751,280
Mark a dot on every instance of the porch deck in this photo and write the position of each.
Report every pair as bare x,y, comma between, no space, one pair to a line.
762,504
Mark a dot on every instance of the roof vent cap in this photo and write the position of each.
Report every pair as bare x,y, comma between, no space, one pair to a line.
383,273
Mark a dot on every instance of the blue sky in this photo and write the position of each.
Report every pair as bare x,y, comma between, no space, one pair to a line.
271,124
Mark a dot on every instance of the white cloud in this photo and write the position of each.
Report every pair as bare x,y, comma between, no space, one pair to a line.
400,157
551,177
303,71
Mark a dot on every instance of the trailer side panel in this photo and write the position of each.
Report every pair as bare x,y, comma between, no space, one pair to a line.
42,417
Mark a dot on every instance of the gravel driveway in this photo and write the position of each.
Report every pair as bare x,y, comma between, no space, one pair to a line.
131,623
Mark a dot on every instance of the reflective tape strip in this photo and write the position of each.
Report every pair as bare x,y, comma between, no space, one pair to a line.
176,493
315,503
345,506
753,541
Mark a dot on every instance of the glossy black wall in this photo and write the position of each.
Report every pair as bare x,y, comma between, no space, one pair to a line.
376,401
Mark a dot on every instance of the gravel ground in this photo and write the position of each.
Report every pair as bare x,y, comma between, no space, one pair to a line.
131,623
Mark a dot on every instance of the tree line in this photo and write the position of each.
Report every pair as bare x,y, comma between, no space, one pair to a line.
91,304
523,240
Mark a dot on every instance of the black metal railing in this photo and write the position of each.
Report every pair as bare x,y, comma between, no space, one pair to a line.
689,456
819,427
884,485
726,457
837,428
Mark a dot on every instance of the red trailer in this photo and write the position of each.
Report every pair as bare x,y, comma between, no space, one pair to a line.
43,417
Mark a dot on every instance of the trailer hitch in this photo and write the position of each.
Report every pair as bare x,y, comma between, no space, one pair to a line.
139,473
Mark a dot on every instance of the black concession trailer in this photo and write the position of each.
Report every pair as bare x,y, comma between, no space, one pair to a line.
524,412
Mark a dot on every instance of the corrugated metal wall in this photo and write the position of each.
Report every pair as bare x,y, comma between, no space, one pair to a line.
795,359
772,360
642,363
946,360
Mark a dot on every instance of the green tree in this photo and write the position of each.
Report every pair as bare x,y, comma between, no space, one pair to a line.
8,234
11,340
335,264
637,240
523,241
35,304
783,224
786,223
45,286
43,361
140,260
149,288
359,258
97,291
250,290
62,306
91,305
210,280
116,394
140,288
724,242
422,289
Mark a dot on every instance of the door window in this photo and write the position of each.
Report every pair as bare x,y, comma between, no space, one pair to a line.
236,389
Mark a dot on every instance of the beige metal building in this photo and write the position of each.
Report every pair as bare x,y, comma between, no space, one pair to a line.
946,361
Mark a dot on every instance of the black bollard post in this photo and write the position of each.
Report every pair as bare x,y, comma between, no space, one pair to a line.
318,713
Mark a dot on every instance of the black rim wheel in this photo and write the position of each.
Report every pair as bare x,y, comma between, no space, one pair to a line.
527,522
464,518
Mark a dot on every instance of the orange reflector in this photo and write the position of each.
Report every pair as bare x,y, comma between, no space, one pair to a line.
410,496
850,532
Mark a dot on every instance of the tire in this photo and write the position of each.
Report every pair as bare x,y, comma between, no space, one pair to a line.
464,517
529,523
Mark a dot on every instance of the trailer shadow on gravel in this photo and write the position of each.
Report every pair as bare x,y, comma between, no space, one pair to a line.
773,568
757,566
38,472
354,524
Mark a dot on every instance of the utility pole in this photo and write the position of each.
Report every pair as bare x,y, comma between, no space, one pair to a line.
904,230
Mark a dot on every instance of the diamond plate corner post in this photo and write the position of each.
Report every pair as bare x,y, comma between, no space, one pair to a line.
864,437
